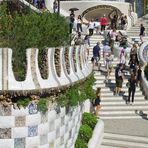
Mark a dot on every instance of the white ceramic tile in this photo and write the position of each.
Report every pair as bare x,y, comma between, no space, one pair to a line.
52,136
52,115
43,129
20,112
6,143
44,146
7,121
32,142
34,119
19,132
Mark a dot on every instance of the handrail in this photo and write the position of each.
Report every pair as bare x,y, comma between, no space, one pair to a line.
31,6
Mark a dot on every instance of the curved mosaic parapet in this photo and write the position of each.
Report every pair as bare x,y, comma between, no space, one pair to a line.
143,53
56,77
29,128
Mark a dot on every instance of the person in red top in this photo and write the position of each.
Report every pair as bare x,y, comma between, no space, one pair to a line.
103,22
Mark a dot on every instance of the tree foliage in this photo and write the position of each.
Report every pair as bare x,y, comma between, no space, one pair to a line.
30,30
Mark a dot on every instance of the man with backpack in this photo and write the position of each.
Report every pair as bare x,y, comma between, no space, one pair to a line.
96,54
119,79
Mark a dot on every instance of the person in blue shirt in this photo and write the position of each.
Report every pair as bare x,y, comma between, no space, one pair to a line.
96,54
106,51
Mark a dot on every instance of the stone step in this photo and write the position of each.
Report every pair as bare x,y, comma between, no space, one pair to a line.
114,98
101,80
137,93
125,144
122,102
126,137
112,77
124,113
108,85
120,117
121,99
124,107
107,89
105,146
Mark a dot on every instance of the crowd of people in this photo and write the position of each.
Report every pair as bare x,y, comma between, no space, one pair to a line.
113,36
99,24
133,66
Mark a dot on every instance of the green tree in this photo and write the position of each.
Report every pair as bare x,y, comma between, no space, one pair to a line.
30,30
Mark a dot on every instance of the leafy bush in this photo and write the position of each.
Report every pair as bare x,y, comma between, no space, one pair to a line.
42,105
23,102
89,119
146,71
80,144
30,30
77,94
62,100
85,133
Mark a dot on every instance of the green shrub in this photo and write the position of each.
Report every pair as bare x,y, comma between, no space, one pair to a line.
23,102
89,119
42,105
85,133
30,30
146,71
80,144
77,93
62,100
73,96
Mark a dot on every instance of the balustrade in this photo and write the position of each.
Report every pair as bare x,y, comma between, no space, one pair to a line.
65,65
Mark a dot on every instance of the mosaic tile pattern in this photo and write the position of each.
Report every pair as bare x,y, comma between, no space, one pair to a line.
43,139
57,133
20,121
32,131
19,143
33,109
5,133
33,136
62,121
44,117
51,126
145,53
5,111
62,140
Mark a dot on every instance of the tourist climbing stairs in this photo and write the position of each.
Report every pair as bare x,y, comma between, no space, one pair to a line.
134,31
114,108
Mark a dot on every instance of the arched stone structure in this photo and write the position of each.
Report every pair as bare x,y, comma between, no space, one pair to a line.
98,11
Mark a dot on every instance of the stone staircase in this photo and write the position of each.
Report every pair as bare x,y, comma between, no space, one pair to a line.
123,141
134,31
115,107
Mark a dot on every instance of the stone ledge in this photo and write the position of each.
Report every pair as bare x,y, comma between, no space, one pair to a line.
97,136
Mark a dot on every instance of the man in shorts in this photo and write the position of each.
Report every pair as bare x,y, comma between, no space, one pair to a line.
96,54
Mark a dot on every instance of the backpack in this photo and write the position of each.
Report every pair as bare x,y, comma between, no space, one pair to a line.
117,73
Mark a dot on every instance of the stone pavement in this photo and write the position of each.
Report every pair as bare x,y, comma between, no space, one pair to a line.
136,127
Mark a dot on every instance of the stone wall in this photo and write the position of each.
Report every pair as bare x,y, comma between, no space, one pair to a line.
29,128
58,77
143,55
